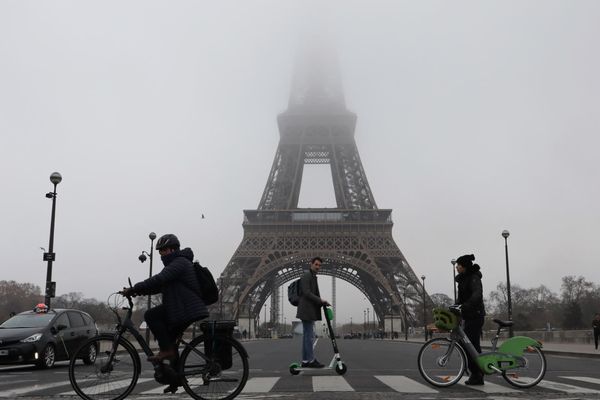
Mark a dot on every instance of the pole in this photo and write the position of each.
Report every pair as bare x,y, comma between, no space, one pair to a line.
49,290
453,262
152,236
424,309
505,234
392,313
405,318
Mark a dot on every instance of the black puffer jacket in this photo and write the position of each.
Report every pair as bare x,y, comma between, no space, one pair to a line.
179,287
470,293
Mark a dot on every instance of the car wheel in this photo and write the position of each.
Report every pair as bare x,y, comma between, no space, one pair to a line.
47,357
90,355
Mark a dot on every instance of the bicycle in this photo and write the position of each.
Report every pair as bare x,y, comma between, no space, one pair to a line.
212,366
443,361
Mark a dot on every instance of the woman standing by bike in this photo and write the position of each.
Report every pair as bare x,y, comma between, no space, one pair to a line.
470,297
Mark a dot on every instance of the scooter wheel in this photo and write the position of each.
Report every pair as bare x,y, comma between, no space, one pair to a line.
341,368
294,369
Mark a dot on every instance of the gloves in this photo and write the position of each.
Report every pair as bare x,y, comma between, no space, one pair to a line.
128,292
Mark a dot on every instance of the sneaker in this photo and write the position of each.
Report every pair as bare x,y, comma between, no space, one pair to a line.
314,364
474,381
304,364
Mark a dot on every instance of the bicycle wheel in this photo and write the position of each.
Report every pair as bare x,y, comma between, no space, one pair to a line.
110,375
531,370
214,369
442,362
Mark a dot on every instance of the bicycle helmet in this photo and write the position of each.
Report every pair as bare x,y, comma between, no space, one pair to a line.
168,241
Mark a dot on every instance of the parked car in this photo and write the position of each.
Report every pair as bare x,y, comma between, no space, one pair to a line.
44,336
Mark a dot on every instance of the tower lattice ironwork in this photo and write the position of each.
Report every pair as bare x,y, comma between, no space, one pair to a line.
354,239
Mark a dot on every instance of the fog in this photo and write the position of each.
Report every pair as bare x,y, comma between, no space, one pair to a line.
473,117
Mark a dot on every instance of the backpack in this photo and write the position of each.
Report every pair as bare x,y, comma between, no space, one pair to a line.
294,293
209,292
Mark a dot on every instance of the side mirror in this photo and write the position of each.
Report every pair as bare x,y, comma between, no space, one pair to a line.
60,327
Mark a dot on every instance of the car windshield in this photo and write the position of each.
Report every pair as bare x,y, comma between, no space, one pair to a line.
28,321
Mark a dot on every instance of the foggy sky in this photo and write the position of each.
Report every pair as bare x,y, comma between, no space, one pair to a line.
473,117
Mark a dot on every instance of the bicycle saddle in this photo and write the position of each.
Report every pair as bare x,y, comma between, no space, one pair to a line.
503,324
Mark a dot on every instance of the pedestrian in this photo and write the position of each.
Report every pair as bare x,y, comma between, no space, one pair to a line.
596,327
309,311
470,297
244,334
181,301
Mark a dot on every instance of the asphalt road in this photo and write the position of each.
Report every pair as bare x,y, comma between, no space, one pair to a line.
376,370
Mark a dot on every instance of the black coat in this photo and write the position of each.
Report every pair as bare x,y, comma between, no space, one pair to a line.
179,287
309,304
470,293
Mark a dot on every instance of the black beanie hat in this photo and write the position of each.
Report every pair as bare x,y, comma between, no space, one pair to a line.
466,261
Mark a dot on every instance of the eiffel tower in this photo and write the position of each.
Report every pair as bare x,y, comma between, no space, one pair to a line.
354,239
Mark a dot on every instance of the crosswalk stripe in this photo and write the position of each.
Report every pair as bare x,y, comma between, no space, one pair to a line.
105,387
34,388
404,384
260,385
331,384
156,390
491,387
563,387
583,379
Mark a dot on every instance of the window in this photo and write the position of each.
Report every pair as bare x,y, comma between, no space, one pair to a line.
62,320
76,319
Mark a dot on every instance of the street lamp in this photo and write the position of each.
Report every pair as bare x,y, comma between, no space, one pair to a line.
405,318
453,262
143,258
55,178
424,308
505,235
368,322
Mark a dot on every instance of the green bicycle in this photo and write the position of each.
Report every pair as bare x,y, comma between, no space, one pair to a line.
443,361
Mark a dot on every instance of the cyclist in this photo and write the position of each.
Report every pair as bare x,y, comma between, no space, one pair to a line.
470,297
181,302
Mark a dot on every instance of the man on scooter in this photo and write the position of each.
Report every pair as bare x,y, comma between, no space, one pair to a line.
309,311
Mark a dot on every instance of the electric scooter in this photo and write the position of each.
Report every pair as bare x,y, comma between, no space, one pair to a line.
336,362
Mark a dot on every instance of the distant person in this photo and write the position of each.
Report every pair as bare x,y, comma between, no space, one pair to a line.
309,311
181,302
470,297
244,334
596,328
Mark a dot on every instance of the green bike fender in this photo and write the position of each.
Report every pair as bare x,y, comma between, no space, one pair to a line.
518,344
504,358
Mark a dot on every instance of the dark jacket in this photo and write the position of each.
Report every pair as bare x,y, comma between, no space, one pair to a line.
470,293
179,287
596,325
309,305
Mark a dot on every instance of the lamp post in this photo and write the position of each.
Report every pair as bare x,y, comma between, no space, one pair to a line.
142,258
405,318
392,314
364,324
350,326
368,322
505,235
424,308
55,178
453,262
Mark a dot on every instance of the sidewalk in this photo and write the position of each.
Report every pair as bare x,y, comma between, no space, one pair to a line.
552,348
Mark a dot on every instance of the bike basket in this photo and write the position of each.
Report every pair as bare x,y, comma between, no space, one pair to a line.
219,350
444,319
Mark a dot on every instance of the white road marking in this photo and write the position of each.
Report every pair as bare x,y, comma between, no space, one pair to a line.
489,387
331,384
260,385
404,384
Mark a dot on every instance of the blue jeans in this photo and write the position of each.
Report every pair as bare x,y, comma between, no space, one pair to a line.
308,329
